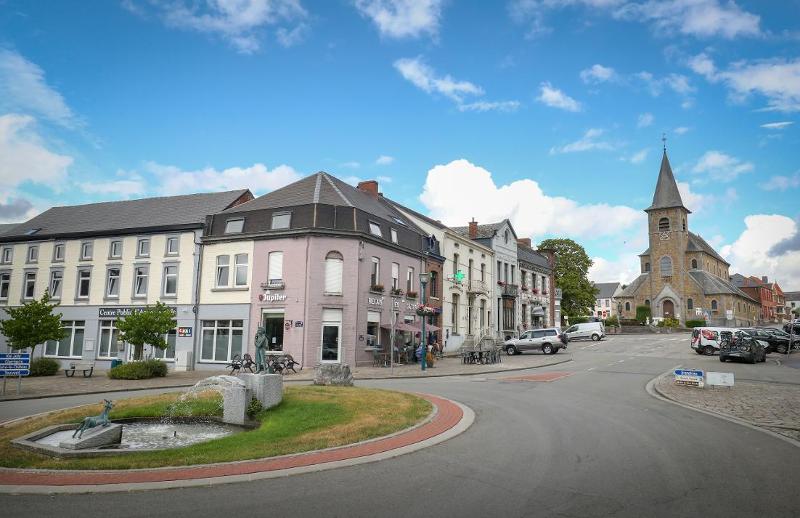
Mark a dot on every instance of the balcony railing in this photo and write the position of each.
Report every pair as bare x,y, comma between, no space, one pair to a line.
509,290
476,286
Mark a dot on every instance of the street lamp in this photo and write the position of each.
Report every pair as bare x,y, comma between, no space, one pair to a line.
396,300
423,282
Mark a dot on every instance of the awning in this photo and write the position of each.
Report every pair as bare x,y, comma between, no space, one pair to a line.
537,311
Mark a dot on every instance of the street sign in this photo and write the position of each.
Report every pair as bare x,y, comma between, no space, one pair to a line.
723,379
185,332
15,364
689,377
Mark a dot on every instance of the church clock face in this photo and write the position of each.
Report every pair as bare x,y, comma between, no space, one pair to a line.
663,236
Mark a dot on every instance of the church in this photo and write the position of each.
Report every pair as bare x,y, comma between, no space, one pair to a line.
682,276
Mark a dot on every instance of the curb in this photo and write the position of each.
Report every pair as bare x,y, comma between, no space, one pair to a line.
449,419
653,391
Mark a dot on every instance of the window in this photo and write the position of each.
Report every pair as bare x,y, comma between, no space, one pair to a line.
109,336
469,270
281,220
409,280
663,225
375,275
334,266
393,234
505,272
112,283
665,264
143,248
169,352
30,285
375,229
483,272
33,254
115,249
627,306
689,304
234,226
512,273
84,280
499,268
32,231
58,253
8,254
56,280
172,245
694,264
434,284
684,225
647,267
240,263
5,282
395,276
221,340
713,305
170,280
275,272
223,271
506,236
646,302
71,345
140,275
373,328
454,313
455,263
86,250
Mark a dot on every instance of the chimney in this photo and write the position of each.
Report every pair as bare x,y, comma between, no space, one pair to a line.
765,279
369,186
524,241
473,229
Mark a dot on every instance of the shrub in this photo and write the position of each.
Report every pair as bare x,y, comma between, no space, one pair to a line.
629,322
44,367
578,320
642,314
139,370
695,323
254,408
612,321
669,322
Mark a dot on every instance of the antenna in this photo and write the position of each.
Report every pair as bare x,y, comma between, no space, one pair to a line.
664,140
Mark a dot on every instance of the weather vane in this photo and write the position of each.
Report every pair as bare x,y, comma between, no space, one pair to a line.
664,140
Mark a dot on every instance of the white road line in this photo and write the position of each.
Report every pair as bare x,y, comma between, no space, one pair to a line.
590,369
621,361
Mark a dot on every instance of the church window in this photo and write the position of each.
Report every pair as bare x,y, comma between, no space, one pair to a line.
666,266
647,267
713,305
694,264
684,225
646,302
663,224
689,304
627,306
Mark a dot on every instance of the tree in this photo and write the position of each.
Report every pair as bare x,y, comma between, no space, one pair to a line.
571,275
147,326
32,323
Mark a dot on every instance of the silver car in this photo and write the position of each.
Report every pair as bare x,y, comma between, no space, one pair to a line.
548,340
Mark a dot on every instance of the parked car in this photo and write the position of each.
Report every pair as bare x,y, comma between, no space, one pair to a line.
548,340
786,327
737,344
594,330
777,340
705,340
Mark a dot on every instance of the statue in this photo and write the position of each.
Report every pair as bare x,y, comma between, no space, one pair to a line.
92,421
261,349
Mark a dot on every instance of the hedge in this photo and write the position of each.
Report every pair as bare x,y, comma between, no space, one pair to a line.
44,367
578,320
139,370
695,323
642,313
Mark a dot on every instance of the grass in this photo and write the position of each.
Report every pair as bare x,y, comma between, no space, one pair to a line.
309,418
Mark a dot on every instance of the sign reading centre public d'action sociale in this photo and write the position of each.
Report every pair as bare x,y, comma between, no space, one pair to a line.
15,364
689,377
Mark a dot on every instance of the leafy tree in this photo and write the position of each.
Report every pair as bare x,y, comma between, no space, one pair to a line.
32,324
147,326
572,265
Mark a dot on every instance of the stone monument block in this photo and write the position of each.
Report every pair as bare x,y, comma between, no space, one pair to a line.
337,374
96,437
234,404
267,388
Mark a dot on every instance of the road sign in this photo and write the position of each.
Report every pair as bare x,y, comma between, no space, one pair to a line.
15,364
689,377
185,332
723,379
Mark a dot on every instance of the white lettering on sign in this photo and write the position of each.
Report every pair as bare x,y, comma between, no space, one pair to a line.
272,297
722,379
375,301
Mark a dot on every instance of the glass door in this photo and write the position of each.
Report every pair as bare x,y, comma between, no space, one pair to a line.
330,342
273,323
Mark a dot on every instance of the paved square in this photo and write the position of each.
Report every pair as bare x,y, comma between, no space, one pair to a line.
544,376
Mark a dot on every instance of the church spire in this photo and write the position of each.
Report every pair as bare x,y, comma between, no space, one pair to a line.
667,194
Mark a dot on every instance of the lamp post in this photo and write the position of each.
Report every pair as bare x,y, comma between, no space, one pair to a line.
423,282
395,302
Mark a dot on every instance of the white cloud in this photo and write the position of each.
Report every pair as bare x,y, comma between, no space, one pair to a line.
532,212
638,157
777,125
749,253
384,160
681,130
24,157
645,120
655,85
384,179
14,208
555,98
624,269
589,142
782,183
291,37
703,65
720,166
485,106
350,165
403,18
23,88
425,78
239,22
258,178
118,188
694,201
598,74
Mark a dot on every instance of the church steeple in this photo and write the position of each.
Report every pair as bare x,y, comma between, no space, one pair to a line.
667,195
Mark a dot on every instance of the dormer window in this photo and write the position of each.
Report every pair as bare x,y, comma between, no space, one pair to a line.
32,231
375,229
393,233
663,225
281,220
234,226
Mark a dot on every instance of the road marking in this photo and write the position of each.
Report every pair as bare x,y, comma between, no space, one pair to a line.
591,368
621,361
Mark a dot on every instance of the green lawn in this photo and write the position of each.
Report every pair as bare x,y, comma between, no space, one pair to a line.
309,418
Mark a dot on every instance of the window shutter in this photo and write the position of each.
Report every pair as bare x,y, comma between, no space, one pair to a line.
275,266
333,275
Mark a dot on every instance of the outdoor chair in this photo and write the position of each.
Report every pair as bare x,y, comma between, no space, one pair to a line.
235,364
289,363
248,363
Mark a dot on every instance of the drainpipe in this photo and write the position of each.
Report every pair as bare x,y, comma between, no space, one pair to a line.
196,302
305,307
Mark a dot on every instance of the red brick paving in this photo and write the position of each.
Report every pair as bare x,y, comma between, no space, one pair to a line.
544,376
448,415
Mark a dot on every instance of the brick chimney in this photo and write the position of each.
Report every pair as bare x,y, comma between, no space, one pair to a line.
473,229
369,186
524,241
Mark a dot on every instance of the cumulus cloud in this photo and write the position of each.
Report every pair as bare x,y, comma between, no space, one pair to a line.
258,178
402,18
638,157
777,125
418,73
678,83
384,160
589,142
126,188
681,130
15,209
645,120
694,201
531,211
782,183
720,166
555,98
24,157
598,74
624,269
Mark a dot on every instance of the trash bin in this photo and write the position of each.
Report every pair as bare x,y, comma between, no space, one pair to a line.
116,362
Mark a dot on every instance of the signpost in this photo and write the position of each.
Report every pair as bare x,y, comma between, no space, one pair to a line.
15,364
689,377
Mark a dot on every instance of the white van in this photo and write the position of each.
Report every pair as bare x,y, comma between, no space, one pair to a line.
705,340
594,330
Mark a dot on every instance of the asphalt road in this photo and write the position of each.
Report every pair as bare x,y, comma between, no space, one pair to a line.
593,443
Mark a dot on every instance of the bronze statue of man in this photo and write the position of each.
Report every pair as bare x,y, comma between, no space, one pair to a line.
261,349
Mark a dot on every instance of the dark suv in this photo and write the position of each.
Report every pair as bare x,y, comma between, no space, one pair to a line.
778,340
742,346
786,327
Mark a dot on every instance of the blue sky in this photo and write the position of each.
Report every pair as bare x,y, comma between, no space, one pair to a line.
549,112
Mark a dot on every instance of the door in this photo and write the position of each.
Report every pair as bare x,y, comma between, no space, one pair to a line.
331,349
668,309
273,323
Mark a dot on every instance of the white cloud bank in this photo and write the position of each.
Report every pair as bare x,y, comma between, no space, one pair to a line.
258,178
24,157
749,254
555,98
782,183
590,141
720,166
402,18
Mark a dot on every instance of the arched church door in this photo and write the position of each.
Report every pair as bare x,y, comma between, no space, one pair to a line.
668,309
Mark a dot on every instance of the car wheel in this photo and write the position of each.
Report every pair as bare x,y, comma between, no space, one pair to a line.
547,349
511,350
698,351
595,337
708,350
782,349
722,359
752,360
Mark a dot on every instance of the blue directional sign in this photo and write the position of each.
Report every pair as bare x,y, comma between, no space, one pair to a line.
15,364
689,372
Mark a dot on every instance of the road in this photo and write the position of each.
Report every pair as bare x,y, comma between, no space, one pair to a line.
592,443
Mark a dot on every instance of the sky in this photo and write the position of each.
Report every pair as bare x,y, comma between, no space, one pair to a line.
552,113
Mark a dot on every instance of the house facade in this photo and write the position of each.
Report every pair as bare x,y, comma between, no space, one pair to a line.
761,290
537,306
605,304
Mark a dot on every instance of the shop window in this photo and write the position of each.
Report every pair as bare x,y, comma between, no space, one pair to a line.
663,225
109,340
169,353
221,340
373,328
71,345
330,350
334,268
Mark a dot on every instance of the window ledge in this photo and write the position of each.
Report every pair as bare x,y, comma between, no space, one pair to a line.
169,297
235,288
111,299
330,294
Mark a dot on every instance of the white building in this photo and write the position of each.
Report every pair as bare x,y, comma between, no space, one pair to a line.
605,304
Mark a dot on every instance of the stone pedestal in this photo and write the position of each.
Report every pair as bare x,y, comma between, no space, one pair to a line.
96,437
337,374
234,404
267,388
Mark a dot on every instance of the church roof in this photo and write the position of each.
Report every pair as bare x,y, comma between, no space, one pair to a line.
667,194
697,244
713,285
606,290
634,286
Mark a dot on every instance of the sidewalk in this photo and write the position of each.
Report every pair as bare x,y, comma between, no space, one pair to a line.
60,385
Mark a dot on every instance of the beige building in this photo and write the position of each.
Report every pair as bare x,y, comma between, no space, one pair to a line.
682,276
